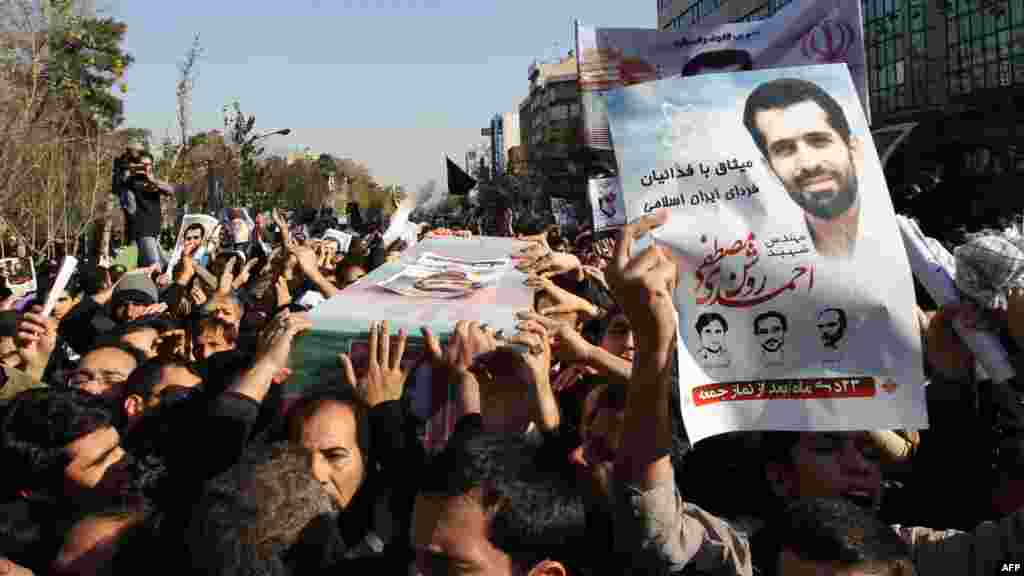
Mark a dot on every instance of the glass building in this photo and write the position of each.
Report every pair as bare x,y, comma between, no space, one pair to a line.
922,54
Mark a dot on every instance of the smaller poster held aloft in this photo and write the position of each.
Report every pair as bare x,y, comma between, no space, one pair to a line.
197,232
564,212
796,303
19,274
341,239
607,203
67,270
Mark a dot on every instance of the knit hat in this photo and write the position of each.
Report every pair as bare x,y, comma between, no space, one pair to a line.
988,266
137,289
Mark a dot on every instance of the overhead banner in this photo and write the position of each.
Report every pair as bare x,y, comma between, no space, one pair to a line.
805,32
796,304
606,203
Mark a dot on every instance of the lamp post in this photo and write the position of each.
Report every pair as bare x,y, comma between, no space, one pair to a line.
281,132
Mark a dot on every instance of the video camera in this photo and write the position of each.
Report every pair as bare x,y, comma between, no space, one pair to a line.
130,171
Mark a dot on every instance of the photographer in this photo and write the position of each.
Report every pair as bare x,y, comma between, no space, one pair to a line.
140,193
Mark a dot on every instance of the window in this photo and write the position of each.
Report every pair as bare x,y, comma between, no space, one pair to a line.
982,40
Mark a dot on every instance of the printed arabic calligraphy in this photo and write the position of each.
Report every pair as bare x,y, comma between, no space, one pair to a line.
745,288
800,248
701,197
676,172
853,387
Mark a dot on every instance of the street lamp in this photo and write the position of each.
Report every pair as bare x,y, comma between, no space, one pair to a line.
281,132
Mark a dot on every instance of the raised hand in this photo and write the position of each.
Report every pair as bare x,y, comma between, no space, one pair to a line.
227,277
568,345
565,302
275,343
467,343
552,264
643,285
197,295
37,338
385,375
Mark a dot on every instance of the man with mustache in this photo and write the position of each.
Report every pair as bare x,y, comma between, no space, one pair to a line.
770,328
806,141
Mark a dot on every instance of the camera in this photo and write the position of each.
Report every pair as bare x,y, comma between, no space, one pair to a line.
130,170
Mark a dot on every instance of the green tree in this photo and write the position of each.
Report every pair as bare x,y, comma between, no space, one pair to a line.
86,61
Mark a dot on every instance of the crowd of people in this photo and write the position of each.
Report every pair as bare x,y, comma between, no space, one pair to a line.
143,426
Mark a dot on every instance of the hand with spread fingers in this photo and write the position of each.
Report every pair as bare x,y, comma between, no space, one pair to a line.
197,295
385,375
275,343
643,284
526,364
554,264
568,345
468,342
565,302
243,277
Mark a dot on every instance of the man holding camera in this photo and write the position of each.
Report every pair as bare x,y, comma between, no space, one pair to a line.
140,194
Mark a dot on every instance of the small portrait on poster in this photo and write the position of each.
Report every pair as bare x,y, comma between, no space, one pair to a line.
712,329
718,62
770,329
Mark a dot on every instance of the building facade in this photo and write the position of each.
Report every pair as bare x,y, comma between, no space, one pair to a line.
922,54
549,122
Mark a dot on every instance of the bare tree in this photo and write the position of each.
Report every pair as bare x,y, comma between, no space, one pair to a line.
187,73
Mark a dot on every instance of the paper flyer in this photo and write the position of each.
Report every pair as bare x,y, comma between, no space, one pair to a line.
435,276
19,274
342,239
796,303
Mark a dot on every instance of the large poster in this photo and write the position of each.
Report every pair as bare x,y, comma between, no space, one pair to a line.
805,32
796,303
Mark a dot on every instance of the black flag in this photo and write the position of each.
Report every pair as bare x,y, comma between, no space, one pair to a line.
459,183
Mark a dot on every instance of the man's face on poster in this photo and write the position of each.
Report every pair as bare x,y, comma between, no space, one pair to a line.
711,337
831,327
193,238
770,333
811,159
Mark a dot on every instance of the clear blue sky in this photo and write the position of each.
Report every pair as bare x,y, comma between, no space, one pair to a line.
395,84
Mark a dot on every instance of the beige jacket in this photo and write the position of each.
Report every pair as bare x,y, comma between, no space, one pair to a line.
663,534
14,382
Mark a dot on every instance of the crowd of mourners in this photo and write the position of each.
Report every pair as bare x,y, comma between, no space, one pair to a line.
144,428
